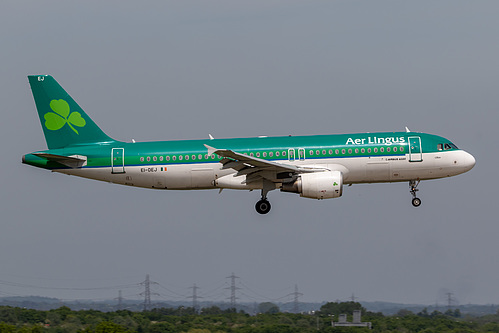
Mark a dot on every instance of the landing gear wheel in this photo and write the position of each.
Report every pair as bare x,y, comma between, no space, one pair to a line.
413,184
263,206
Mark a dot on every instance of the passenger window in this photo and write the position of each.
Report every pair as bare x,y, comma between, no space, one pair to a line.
388,149
283,153
167,158
317,152
375,150
363,150
337,152
330,152
311,152
142,159
394,149
174,158
154,158
382,149
271,154
401,149
349,151
148,158
324,152
257,154
180,158
369,150
356,150
264,154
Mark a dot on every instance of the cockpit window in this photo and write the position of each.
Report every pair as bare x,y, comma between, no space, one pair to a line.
446,146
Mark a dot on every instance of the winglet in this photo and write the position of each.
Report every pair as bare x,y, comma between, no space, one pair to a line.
407,129
211,137
211,150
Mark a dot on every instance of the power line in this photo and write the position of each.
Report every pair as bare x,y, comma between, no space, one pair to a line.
183,296
195,297
22,285
120,300
233,289
147,292
296,294
450,300
258,294
211,291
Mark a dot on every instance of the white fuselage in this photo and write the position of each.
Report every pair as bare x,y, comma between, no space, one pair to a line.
355,170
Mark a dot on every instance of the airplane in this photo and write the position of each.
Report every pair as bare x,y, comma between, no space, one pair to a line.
315,166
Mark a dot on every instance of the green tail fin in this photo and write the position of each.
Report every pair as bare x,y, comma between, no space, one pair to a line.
64,123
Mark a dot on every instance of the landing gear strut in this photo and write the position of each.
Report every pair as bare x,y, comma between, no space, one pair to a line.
263,205
416,202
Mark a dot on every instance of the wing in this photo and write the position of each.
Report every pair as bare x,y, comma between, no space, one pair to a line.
255,168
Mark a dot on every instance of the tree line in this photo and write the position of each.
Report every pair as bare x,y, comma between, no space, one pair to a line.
215,320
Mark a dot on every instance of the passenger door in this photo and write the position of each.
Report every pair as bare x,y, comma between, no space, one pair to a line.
415,151
118,160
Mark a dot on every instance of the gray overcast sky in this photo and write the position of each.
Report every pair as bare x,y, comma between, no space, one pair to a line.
167,70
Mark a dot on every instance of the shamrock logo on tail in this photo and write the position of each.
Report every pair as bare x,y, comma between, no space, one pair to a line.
62,116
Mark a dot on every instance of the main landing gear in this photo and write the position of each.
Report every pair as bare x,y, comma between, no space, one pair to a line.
416,202
263,205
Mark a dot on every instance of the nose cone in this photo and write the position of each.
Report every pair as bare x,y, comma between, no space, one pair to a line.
468,161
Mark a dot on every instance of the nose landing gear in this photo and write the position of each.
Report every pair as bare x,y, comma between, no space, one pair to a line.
416,202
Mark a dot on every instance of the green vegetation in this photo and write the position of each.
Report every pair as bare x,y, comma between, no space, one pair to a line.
215,320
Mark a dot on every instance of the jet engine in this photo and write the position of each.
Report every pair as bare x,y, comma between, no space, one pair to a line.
317,185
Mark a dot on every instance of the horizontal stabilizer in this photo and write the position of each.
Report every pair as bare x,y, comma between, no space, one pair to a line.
75,161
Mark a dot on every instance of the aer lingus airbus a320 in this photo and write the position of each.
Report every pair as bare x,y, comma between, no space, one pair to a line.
315,167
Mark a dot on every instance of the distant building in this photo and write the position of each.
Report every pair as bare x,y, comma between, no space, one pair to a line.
356,322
